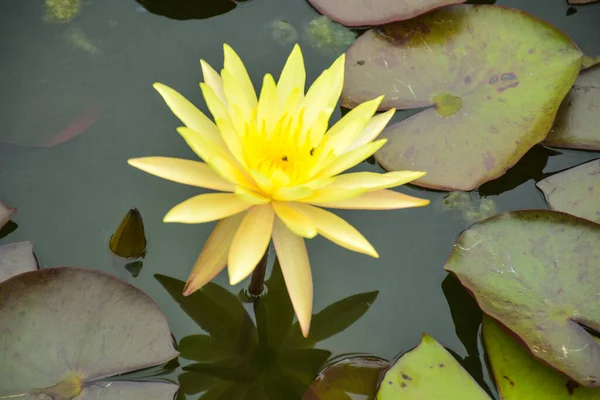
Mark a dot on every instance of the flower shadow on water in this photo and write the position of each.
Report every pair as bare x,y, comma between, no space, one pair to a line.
269,359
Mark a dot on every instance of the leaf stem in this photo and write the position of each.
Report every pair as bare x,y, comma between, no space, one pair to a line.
258,277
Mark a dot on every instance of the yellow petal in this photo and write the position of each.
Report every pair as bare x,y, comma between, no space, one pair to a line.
189,114
337,230
250,196
188,172
347,129
297,222
295,267
316,101
329,195
268,105
219,159
379,200
235,66
235,95
337,80
292,193
293,77
213,257
213,79
264,183
319,127
370,181
350,159
205,208
372,130
250,242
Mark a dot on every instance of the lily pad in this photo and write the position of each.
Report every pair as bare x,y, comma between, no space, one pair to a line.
429,372
66,330
376,12
484,110
348,378
189,9
16,258
6,214
576,124
582,1
519,376
589,62
537,273
575,191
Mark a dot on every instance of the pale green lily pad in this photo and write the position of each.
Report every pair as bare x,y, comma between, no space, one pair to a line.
5,213
16,258
576,124
471,205
537,272
519,376
429,372
66,330
575,191
485,109
347,379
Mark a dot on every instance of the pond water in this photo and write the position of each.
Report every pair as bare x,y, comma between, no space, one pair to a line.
98,70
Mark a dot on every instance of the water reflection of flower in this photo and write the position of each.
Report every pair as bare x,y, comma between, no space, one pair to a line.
267,359
277,164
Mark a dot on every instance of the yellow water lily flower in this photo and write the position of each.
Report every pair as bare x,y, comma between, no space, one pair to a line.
276,165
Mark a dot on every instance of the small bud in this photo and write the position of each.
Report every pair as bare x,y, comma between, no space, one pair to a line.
129,241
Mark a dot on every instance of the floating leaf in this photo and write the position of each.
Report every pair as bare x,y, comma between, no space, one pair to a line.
128,391
575,191
189,9
134,268
376,12
428,372
8,228
129,240
64,330
582,1
6,214
537,273
16,258
327,36
576,124
485,110
345,378
519,376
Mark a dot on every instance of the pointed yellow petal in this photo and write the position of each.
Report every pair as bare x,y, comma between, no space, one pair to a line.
213,79
235,95
293,102
235,66
379,200
337,80
350,159
250,196
347,129
295,267
316,101
293,77
188,113
319,126
188,172
205,208
372,130
337,230
213,257
292,193
264,183
250,242
329,195
268,105
370,181
294,220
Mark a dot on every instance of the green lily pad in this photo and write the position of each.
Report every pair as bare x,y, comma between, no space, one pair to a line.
582,1
485,110
575,191
6,214
519,376
429,372
537,273
66,330
376,12
347,379
576,124
16,258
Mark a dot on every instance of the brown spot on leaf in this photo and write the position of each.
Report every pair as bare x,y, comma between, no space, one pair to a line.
489,161
509,380
508,76
424,28
468,79
493,80
408,378
361,62
531,51
403,385
409,152
494,130
571,386
560,291
441,365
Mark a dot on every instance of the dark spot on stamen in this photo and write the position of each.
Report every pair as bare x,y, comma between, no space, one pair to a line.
284,158
312,151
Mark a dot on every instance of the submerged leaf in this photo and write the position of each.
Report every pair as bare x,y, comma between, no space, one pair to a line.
64,330
485,110
519,376
376,12
537,272
428,372
129,240
134,268
348,377
16,258
576,124
575,191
